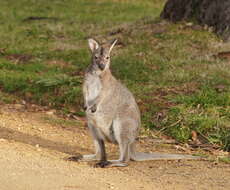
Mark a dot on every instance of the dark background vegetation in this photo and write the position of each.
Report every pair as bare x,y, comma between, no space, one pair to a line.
180,83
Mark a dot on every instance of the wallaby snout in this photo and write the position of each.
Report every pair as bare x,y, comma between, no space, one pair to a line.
101,66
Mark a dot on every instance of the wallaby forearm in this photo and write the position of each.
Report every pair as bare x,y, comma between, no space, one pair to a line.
92,104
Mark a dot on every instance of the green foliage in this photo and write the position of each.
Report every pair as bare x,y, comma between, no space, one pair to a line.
205,98
225,160
58,80
209,122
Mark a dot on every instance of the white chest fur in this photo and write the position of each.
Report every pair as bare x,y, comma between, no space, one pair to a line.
93,87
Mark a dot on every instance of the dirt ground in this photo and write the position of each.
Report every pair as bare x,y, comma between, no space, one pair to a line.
33,154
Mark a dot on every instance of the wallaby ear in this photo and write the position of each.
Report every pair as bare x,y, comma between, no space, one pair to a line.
93,44
112,44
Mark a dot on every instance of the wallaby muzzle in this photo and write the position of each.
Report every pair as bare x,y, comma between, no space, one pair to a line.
101,66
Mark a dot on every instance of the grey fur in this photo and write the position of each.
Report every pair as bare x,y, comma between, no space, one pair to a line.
112,112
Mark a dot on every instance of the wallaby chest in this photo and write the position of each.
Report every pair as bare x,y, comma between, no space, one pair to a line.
92,87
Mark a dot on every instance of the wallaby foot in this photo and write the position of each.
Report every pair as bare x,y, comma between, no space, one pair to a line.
109,164
117,163
83,158
102,164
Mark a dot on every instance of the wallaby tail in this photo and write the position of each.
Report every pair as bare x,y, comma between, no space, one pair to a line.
141,156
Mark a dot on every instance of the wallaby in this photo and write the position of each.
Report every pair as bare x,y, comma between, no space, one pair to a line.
112,112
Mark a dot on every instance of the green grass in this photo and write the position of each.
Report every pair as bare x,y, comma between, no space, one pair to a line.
169,67
225,160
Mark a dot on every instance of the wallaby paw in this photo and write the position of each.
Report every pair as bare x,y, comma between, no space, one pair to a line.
93,108
84,108
102,164
75,158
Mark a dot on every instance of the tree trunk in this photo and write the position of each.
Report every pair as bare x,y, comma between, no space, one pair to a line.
214,13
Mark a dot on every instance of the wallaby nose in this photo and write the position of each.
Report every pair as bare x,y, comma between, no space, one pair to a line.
101,66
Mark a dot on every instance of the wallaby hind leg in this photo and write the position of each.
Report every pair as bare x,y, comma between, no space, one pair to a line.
102,159
133,151
99,153
125,138
138,156
99,148
124,156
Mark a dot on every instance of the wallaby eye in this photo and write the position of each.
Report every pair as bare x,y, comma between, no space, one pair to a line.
107,57
96,57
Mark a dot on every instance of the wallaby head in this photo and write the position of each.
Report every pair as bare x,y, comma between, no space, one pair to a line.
100,56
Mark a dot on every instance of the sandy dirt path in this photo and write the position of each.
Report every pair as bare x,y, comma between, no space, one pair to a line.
34,146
